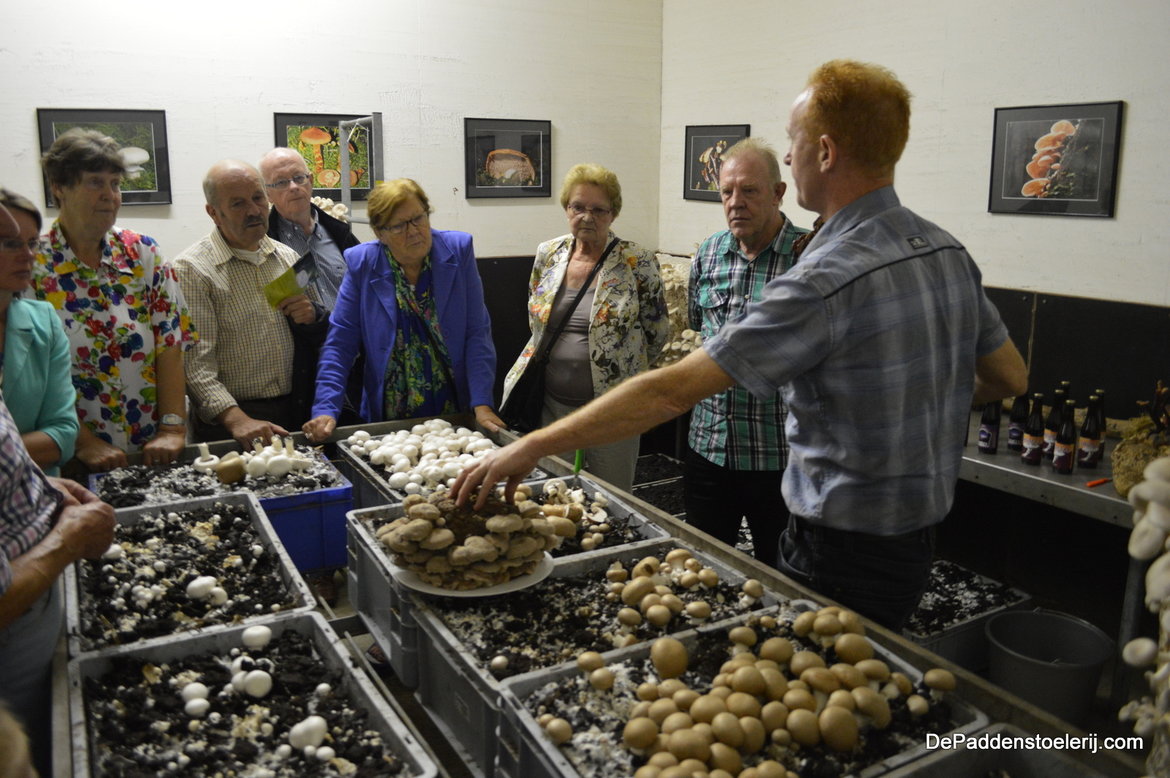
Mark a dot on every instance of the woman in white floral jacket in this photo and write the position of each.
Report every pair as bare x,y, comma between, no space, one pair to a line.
618,328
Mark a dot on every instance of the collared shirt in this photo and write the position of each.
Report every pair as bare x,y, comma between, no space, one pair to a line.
328,266
245,351
27,500
116,316
732,428
873,338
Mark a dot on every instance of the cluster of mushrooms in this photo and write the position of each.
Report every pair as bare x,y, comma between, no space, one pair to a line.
1150,538
647,592
675,281
276,460
253,678
771,697
423,458
460,548
560,503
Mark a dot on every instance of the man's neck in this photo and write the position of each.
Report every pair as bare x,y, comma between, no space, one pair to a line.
751,252
306,221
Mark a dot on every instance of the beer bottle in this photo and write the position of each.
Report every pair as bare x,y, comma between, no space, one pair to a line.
1104,420
1052,423
989,427
1034,432
1089,443
1064,452
1017,420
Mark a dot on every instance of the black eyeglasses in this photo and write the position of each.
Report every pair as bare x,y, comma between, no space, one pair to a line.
400,227
580,210
300,179
16,244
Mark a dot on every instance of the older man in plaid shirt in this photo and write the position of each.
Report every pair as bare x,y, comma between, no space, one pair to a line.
736,450
240,375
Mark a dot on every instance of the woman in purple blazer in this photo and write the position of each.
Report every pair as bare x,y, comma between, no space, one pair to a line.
413,302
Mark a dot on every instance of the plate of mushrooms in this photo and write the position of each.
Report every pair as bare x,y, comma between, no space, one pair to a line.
411,580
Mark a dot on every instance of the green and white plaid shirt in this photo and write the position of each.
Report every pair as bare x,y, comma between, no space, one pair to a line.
733,428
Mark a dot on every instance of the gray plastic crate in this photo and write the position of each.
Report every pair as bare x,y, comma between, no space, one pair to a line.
1016,762
334,656
245,501
382,603
965,642
524,751
462,695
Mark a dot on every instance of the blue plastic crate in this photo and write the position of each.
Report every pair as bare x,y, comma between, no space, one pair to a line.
310,525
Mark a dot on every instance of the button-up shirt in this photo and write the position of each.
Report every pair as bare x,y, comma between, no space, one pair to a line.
873,337
733,428
320,257
245,349
27,500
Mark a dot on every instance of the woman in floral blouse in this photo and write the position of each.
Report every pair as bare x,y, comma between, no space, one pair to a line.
121,306
618,328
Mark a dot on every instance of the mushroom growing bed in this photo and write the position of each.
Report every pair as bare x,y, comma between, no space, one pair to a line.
599,604
950,616
177,568
141,485
729,699
278,699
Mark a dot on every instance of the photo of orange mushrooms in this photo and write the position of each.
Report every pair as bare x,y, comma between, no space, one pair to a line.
1065,163
320,145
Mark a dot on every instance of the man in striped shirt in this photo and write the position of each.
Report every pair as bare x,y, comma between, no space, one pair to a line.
736,451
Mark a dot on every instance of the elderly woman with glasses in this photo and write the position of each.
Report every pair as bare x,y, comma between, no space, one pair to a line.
412,300
121,306
35,367
616,329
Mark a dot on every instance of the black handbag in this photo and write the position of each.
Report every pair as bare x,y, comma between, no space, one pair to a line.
523,408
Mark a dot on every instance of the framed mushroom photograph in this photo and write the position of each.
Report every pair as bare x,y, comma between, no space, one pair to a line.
142,137
317,137
1056,160
507,157
703,156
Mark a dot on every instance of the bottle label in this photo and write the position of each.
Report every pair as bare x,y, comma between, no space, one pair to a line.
1033,449
1089,452
1063,455
1049,442
988,438
1015,437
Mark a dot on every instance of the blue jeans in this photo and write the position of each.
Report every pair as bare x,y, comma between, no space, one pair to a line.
717,499
881,577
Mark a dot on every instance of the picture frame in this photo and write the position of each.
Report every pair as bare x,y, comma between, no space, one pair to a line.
507,157
1056,160
142,134
315,137
702,157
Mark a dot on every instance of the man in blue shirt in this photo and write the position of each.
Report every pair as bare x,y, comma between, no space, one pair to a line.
736,449
880,340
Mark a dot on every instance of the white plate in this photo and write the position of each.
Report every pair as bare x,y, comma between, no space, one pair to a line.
410,580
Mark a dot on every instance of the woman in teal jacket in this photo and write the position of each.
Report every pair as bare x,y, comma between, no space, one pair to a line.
34,364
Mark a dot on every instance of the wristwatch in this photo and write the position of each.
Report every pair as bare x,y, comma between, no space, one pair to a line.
173,420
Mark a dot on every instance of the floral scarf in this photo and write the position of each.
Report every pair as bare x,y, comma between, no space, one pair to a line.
418,375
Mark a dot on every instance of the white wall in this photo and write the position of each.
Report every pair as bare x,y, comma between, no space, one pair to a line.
619,79
744,63
221,68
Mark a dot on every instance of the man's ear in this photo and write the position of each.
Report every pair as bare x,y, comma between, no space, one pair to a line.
828,153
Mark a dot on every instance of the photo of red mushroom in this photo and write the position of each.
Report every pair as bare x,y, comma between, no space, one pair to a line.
315,137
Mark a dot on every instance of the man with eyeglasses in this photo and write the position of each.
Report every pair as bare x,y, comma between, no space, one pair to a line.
296,222
321,241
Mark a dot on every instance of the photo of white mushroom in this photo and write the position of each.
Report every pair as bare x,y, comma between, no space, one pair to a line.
138,147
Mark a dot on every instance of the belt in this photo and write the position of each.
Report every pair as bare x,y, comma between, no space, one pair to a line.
800,525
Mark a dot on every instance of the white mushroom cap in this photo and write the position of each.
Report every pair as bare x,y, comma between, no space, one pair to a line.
133,156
